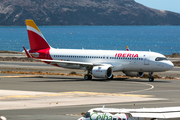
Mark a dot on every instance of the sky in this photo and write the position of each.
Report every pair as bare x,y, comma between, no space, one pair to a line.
170,5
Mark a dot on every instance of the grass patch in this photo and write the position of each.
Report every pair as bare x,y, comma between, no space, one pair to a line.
76,74
38,73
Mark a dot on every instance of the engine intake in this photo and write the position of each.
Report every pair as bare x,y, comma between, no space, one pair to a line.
102,71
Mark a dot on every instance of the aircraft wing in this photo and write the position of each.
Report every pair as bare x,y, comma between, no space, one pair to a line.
157,115
83,64
71,62
166,112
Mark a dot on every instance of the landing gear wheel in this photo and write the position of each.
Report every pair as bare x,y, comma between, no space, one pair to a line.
151,79
87,77
90,77
111,77
154,119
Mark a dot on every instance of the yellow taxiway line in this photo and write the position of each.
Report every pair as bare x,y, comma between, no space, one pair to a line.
22,76
73,94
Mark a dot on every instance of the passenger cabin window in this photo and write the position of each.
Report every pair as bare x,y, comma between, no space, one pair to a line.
160,59
87,115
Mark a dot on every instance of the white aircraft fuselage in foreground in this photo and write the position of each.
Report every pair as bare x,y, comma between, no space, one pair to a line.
99,63
132,114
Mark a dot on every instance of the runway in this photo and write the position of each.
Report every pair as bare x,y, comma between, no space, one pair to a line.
29,97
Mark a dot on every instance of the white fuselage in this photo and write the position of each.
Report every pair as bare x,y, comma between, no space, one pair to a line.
98,63
139,61
132,114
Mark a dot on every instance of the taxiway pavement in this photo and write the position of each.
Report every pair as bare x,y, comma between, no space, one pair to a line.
29,97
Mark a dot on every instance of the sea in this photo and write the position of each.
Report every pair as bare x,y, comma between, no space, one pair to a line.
161,39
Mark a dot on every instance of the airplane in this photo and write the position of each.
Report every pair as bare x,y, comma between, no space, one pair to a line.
127,48
132,114
99,63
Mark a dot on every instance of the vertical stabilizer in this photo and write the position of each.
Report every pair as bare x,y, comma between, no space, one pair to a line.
36,38
127,48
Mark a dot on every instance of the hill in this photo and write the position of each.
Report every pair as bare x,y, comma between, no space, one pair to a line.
83,12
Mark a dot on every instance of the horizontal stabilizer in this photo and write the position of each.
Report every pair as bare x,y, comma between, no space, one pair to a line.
27,53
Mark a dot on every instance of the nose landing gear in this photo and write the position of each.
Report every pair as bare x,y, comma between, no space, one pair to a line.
151,78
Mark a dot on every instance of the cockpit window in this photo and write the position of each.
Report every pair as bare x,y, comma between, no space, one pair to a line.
87,115
160,59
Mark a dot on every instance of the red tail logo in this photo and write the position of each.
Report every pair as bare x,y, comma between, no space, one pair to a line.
36,38
40,49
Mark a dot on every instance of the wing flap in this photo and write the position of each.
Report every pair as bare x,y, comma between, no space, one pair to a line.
71,62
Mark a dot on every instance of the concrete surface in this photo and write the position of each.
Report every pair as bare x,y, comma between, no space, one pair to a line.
59,97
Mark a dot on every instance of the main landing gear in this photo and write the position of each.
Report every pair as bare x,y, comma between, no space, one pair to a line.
88,76
111,77
151,78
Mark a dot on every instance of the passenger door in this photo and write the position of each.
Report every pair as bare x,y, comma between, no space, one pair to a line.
146,60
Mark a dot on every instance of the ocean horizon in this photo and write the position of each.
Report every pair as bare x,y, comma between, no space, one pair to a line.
161,39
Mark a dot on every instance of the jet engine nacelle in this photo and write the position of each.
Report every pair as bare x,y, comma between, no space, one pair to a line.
102,71
134,74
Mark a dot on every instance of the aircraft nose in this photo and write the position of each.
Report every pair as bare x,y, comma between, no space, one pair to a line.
170,65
